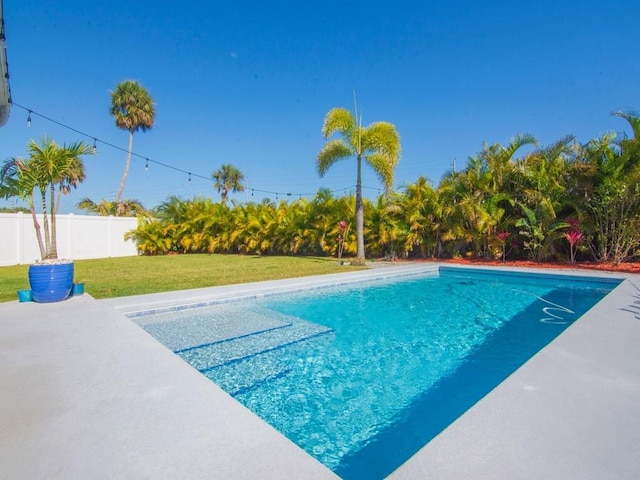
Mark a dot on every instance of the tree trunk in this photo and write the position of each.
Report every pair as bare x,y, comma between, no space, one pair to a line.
36,226
45,222
52,251
125,174
359,214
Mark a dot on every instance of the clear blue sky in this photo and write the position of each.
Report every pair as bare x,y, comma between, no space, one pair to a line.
249,83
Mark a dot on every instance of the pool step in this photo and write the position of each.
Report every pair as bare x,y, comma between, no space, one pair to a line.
235,348
187,329
209,357
244,375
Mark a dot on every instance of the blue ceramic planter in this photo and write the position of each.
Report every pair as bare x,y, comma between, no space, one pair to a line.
50,283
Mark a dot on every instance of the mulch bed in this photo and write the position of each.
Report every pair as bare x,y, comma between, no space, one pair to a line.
607,267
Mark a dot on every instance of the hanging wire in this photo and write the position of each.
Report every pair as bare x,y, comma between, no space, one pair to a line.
162,164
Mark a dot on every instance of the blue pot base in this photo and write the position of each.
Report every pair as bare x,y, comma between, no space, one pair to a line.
50,283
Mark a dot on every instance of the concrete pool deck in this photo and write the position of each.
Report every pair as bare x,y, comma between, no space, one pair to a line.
86,393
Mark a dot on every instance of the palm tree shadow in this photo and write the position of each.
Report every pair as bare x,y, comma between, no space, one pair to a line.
634,307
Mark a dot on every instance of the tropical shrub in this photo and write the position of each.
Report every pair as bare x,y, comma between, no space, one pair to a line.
498,206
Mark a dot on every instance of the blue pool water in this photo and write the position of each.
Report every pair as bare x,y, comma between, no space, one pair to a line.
363,375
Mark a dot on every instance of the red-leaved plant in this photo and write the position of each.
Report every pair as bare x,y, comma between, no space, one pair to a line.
502,236
574,236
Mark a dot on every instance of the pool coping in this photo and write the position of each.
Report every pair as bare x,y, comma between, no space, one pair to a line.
85,393
159,302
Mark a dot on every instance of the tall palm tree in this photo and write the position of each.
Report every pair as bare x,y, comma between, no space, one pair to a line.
133,109
377,144
227,179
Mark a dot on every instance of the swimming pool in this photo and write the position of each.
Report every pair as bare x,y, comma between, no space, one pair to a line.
363,375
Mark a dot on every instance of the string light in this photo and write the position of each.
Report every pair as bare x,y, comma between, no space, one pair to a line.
148,160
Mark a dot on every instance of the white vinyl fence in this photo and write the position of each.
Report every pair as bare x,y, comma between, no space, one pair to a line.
79,237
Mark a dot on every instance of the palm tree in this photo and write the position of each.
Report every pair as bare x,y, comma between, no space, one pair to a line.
48,166
633,118
612,201
74,177
104,208
132,108
387,228
227,178
543,196
499,160
631,146
17,181
467,193
377,144
423,211
172,210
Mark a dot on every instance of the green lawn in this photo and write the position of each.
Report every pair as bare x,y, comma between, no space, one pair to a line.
117,277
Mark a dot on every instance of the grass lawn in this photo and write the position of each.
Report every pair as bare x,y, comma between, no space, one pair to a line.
117,277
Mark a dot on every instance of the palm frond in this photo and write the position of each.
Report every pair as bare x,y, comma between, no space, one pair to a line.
519,141
383,137
383,169
332,152
132,107
634,121
338,120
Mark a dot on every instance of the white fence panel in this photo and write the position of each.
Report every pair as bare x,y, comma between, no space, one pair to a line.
79,237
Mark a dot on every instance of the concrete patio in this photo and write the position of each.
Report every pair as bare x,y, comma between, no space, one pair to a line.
87,394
